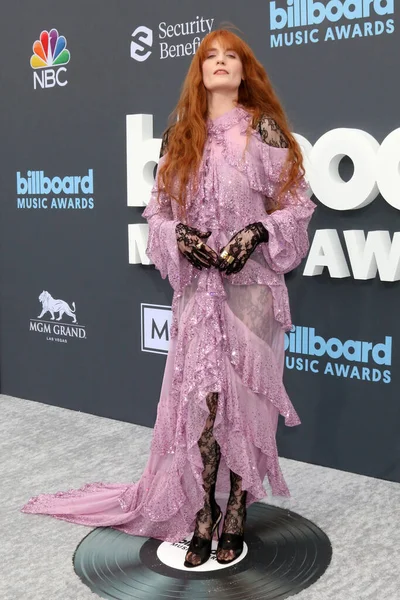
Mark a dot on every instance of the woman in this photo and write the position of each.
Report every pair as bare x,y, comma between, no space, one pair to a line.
228,216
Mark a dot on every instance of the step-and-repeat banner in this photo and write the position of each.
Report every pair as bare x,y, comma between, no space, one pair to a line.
86,91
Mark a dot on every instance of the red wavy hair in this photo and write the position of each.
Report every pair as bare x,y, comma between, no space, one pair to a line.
187,129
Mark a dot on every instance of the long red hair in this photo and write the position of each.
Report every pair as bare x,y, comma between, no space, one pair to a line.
187,129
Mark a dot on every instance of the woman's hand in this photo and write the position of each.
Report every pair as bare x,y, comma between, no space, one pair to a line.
191,245
235,254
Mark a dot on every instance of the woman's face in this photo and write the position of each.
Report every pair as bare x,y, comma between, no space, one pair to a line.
222,69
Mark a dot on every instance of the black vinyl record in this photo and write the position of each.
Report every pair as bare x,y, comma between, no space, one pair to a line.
284,553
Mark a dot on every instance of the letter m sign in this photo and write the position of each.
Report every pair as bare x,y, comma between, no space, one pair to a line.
156,322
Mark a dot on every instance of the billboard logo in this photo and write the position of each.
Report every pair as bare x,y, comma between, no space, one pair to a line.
156,323
303,13
375,173
315,353
311,12
55,329
35,191
143,41
48,52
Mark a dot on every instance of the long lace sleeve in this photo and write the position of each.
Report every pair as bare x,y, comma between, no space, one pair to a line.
288,241
162,247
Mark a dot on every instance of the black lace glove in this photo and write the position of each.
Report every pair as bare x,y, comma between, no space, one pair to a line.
241,246
188,238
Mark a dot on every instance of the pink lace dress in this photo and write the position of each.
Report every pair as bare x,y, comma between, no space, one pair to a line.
227,336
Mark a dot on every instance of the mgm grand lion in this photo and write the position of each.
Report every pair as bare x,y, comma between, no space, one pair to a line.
51,305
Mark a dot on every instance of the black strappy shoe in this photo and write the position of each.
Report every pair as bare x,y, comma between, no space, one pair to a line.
231,541
202,546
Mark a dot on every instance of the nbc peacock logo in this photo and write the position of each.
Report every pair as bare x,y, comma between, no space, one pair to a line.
50,55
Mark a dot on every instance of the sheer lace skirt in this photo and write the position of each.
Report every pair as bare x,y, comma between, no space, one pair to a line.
229,343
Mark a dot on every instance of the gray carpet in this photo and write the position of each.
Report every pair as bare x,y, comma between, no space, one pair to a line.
48,449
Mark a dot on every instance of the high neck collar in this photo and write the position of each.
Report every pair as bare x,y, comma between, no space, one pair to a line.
228,118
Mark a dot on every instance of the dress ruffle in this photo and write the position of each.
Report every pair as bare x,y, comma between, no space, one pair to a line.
162,247
263,166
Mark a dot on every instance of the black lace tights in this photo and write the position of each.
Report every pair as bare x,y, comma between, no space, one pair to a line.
234,517
211,455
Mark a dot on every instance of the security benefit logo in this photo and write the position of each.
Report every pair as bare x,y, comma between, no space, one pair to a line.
174,39
306,350
296,22
38,192
155,324
50,55
57,320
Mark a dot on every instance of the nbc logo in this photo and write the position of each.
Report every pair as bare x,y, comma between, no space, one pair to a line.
48,52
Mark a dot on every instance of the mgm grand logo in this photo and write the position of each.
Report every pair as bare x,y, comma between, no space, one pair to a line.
58,328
